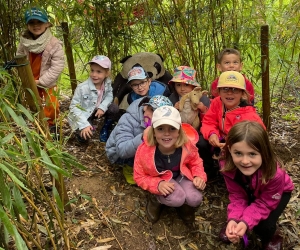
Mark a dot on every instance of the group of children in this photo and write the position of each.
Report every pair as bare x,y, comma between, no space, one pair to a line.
168,158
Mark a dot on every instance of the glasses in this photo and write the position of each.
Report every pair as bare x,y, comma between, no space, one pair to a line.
233,90
141,84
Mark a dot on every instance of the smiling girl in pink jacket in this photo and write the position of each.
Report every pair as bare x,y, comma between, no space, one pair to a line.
167,165
259,189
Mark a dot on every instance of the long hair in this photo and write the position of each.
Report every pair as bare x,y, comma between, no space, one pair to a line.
181,140
257,138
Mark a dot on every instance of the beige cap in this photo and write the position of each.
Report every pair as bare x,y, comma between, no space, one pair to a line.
166,115
232,79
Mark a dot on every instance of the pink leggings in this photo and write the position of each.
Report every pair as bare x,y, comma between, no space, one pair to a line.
185,193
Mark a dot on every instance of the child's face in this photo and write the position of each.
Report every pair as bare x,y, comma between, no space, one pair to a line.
183,88
245,158
140,87
98,73
230,62
148,111
231,97
166,137
36,27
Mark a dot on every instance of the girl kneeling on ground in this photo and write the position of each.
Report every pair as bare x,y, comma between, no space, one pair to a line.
168,165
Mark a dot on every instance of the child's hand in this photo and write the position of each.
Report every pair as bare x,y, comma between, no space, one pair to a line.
230,232
176,105
240,229
37,82
99,113
214,141
87,132
166,187
202,107
199,183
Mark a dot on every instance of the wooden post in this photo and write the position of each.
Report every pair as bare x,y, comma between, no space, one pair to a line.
69,54
28,83
265,75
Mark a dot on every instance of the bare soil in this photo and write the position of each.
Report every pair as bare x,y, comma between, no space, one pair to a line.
110,213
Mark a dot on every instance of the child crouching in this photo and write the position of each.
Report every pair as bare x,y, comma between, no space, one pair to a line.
168,165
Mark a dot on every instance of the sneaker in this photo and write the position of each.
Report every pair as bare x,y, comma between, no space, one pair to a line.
128,174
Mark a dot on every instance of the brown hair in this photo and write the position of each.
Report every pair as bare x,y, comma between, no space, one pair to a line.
228,51
257,138
181,140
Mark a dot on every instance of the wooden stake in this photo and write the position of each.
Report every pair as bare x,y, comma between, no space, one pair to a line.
265,76
69,54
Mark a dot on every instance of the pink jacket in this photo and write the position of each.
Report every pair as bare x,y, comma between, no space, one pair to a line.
53,62
267,196
215,122
144,170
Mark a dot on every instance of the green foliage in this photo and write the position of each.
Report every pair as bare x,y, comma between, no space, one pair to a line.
28,159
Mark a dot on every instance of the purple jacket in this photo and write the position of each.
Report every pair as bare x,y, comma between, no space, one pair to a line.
267,196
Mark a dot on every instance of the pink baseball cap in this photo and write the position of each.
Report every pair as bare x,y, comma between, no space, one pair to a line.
102,61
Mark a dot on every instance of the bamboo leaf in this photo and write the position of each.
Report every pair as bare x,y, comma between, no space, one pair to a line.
20,244
25,112
19,203
33,145
4,190
58,200
52,167
26,152
14,116
12,176
7,138
3,153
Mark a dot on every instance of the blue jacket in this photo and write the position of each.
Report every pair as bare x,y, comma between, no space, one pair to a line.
84,103
156,88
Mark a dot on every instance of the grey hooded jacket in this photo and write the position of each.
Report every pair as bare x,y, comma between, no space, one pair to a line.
127,134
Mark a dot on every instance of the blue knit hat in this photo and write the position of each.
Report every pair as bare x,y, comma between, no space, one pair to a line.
36,13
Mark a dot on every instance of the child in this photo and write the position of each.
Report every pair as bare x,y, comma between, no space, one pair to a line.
231,106
183,82
168,165
231,60
46,57
259,189
142,85
127,135
91,98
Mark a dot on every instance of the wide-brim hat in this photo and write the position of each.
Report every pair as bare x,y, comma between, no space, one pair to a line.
185,74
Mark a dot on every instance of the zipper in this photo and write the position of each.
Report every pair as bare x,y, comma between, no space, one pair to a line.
224,115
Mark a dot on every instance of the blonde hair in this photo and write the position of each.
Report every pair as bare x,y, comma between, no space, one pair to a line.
181,140
257,138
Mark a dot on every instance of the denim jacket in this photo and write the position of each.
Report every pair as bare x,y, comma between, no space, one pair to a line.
84,103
